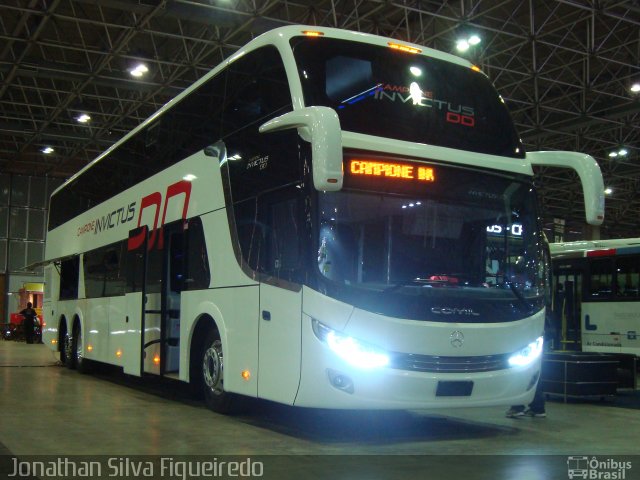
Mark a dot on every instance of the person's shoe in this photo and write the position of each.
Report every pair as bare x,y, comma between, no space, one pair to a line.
515,413
531,413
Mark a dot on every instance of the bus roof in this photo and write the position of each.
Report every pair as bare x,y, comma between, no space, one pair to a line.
280,37
595,248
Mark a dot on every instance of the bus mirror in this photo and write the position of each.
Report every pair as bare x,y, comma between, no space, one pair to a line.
590,176
321,127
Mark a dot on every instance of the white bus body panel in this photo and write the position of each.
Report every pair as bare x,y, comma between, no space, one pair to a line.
280,343
612,321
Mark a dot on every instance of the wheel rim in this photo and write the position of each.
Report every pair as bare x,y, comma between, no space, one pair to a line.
68,347
212,368
79,344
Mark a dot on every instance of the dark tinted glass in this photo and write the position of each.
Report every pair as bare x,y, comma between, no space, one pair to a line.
407,248
628,275
258,91
387,93
257,87
104,271
601,278
197,262
69,270
250,233
181,131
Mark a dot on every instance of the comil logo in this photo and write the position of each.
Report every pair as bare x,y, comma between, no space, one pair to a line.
594,468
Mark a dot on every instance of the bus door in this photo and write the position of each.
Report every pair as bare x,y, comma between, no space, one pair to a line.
135,298
280,297
173,275
154,282
566,304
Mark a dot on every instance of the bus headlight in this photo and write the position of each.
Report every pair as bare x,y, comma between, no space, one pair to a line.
354,352
527,355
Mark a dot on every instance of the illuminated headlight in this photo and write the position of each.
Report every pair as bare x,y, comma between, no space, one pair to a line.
527,355
354,352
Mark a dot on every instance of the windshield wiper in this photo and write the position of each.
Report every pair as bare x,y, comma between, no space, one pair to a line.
519,295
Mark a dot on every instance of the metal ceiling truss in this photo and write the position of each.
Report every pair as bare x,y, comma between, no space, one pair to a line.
564,67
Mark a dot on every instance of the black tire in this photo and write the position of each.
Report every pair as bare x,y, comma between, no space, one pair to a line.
62,343
69,351
82,364
211,375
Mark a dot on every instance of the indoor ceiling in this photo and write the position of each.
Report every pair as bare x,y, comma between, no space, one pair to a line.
564,67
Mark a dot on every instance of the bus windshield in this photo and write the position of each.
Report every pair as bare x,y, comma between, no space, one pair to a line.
463,247
387,93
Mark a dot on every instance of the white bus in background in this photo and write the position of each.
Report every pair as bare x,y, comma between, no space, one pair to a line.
599,294
327,219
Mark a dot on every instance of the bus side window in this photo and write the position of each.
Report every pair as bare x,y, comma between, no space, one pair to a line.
197,273
69,270
256,87
283,259
249,231
601,278
628,276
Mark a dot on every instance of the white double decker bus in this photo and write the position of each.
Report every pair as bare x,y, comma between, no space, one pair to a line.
327,219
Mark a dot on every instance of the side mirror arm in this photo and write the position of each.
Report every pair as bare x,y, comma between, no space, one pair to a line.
321,127
590,176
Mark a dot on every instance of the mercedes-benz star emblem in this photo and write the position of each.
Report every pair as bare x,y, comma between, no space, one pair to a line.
457,339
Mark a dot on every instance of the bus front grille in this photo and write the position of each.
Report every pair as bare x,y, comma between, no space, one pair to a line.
442,364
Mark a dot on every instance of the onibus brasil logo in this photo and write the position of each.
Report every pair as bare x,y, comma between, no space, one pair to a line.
596,468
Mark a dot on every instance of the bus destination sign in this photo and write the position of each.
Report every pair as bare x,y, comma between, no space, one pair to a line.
403,171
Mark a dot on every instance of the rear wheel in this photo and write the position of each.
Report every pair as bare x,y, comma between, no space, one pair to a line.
82,364
62,342
69,351
212,375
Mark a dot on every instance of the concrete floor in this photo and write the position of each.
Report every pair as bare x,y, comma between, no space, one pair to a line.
47,409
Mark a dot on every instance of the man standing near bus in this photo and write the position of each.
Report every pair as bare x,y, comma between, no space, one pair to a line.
29,322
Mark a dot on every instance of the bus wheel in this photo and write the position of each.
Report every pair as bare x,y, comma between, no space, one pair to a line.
212,367
82,364
62,339
69,353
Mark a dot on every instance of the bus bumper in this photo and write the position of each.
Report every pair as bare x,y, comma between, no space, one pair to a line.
327,381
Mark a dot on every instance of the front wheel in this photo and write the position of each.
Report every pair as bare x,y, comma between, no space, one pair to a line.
212,375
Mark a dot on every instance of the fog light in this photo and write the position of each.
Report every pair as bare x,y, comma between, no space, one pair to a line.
340,381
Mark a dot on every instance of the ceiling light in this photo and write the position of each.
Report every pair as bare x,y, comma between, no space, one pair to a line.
83,118
635,88
474,40
462,45
139,70
47,150
622,152
608,191
416,71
